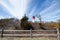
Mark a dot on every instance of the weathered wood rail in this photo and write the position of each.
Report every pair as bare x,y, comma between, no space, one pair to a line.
29,33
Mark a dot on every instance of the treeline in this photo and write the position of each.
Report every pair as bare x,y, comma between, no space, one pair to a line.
24,24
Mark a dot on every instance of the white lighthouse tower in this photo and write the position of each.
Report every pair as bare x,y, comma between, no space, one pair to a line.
33,19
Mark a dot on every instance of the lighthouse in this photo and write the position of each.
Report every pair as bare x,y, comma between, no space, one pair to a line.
33,19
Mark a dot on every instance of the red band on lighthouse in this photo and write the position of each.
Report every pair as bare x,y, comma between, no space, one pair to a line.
33,19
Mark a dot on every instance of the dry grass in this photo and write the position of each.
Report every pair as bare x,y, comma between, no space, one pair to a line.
18,38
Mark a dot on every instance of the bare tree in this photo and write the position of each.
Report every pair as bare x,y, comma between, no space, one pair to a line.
40,23
39,17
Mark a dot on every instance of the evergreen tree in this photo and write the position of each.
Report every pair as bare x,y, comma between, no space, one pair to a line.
25,24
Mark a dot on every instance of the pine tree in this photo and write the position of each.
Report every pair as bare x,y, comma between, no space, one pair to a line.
25,25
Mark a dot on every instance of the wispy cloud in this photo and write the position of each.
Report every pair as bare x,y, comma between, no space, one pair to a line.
1,17
18,8
48,9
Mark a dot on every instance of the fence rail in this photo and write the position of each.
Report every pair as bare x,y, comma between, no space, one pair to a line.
30,34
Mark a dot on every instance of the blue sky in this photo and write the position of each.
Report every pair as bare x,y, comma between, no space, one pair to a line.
48,9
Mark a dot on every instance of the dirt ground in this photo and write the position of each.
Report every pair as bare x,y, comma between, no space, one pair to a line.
18,38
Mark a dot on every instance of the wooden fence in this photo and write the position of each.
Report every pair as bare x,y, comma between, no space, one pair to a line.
29,33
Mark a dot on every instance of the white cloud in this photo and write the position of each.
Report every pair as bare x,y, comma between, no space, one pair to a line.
32,11
50,12
19,7
1,17
47,10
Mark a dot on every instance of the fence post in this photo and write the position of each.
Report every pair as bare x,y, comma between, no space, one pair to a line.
58,33
31,34
2,32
